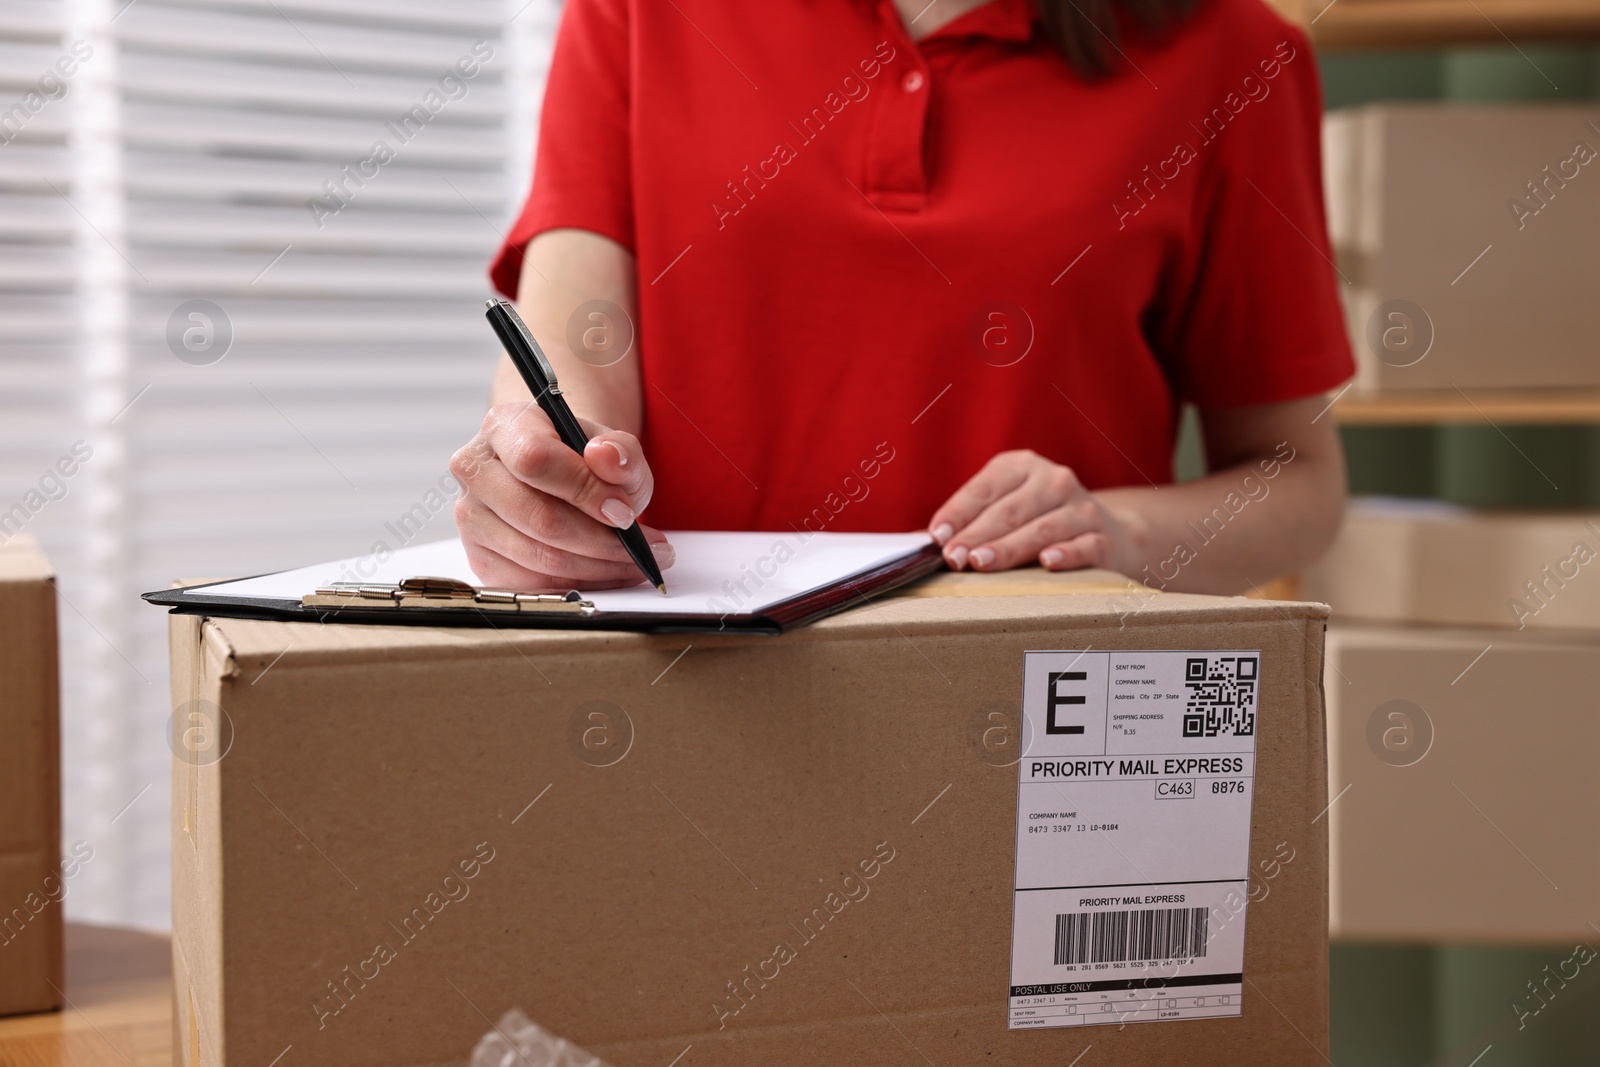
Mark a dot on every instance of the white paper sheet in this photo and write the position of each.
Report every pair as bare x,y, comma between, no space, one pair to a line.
716,572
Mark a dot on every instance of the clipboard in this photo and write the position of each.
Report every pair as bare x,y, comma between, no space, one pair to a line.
791,579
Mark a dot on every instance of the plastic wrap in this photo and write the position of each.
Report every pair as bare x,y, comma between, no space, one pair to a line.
518,1041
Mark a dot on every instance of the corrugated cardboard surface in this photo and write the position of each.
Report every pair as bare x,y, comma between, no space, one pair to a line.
1418,192
368,763
30,783
1490,836
1411,564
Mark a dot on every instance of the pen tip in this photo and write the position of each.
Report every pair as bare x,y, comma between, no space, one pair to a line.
663,587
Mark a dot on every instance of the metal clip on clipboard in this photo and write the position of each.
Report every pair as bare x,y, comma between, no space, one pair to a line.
433,593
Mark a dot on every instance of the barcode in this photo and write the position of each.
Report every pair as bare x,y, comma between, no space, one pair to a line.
1222,696
1118,936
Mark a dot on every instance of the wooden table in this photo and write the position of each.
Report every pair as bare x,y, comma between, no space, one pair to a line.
119,989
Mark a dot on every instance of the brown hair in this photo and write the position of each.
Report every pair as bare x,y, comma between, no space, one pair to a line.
1085,31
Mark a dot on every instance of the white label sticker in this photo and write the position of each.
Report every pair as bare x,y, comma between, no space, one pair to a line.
1133,836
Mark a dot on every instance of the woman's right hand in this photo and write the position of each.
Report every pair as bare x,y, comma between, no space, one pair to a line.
536,516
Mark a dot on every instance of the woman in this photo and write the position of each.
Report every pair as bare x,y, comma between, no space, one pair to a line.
897,264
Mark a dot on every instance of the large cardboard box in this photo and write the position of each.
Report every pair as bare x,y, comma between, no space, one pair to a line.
1431,562
31,884
1467,235
1461,778
712,850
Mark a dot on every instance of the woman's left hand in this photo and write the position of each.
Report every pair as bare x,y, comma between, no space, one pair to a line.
1021,508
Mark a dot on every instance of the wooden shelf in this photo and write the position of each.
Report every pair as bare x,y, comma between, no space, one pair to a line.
1500,408
119,984
1356,24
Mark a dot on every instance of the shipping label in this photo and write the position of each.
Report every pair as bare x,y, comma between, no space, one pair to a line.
1133,836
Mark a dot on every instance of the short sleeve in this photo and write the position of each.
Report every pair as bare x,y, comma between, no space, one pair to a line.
1257,318
582,173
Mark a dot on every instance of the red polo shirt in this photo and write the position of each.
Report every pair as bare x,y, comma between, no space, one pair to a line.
866,265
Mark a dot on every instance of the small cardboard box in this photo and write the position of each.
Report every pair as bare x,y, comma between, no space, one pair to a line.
1466,235
386,837
1461,775
1427,562
31,886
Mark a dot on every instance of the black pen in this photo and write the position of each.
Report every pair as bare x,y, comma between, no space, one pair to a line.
540,377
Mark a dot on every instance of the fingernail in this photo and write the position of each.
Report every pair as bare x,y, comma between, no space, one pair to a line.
1051,557
665,554
982,557
617,513
943,532
622,457
957,557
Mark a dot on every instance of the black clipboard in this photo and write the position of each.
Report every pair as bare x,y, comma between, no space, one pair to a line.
424,601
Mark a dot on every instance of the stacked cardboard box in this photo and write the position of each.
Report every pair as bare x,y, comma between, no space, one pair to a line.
1462,784
1429,562
1462,668
1466,235
31,882
732,850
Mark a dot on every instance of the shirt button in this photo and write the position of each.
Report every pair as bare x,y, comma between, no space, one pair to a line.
912,81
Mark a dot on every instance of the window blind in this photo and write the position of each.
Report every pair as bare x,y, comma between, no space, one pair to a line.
244,262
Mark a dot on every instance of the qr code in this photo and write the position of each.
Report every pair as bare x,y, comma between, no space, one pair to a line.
1222,696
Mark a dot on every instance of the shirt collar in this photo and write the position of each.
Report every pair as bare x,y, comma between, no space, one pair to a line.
1001,20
